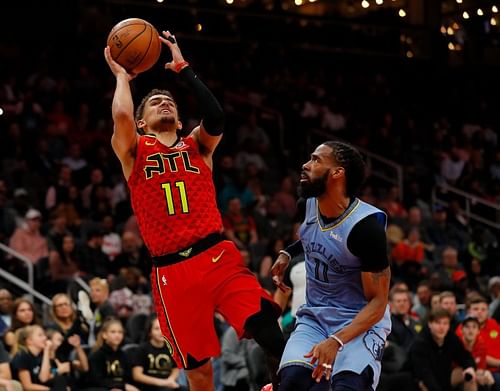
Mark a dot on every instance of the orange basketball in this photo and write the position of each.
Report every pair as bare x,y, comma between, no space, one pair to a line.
134,44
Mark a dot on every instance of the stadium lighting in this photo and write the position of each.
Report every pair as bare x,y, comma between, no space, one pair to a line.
402,13
494,9
229,1
480,12
450,31
365,4
379,2
409,54
493,21
1,111
451,46
459,1
298,2
443,30
465,15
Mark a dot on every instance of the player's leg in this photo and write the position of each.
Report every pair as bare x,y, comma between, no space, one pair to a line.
297,377
351,381
201,378
264,328
295,370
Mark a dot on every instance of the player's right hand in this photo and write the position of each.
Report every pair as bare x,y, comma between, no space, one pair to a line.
278,272
116,68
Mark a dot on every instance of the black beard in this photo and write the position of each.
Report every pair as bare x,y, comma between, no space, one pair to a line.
313,188
167,120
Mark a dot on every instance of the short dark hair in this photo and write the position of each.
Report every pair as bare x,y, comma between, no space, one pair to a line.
140,109
438,313
351,160
475,298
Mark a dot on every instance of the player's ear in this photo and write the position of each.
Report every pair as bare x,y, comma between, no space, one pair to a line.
179,125
337,172
141,123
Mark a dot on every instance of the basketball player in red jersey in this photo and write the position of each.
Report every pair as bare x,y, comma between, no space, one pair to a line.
195,272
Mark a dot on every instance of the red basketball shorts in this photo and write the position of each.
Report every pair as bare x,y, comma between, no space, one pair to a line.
188,293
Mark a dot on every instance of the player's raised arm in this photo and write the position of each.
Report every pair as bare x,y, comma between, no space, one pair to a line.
124,137
209,133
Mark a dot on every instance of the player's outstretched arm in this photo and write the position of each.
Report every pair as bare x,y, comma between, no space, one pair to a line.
209,133
124,139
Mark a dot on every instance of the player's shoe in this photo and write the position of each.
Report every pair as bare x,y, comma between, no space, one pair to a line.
267,387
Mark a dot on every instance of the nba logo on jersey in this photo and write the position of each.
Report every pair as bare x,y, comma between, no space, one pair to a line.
335,236
164,280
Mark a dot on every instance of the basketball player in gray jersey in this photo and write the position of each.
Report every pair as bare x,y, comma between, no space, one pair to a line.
342,328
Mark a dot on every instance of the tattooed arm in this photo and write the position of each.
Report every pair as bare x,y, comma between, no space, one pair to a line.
376,289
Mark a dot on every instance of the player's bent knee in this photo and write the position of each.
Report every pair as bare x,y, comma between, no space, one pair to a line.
264,328
296,378
351,381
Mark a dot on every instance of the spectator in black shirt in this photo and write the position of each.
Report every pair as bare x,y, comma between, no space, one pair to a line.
434,353
109,366
153,368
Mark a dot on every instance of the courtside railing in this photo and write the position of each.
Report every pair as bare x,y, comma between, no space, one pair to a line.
28,287
475,208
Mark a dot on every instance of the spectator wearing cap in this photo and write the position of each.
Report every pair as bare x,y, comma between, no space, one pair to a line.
477,306
474,343
494,289
28,240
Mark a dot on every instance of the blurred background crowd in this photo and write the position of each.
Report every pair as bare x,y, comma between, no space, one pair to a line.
413,84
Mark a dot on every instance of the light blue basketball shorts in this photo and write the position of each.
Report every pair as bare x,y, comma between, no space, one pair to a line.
366,349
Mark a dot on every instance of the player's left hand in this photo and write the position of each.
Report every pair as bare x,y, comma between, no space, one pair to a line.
323,354
177,58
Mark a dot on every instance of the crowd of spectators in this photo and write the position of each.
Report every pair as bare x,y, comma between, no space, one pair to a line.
64,204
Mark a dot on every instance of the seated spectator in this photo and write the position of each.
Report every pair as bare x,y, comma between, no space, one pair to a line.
67,321
134,254
109,366
63,264
93,261
423,298
6,382
133,296
31,364
448,301
238,370
23,314
435,352
477,306
449,265
103,309
404,328
67,367
28,240
475,344
285,197
153,368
